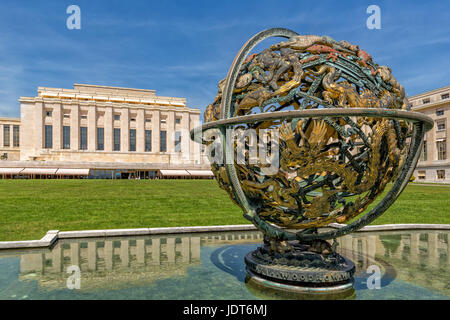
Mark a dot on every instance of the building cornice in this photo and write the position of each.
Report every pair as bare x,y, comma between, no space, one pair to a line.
429,93
110,87
106,104
434,163
5,119
431,105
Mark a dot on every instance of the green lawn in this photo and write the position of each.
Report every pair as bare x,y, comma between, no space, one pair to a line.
29,208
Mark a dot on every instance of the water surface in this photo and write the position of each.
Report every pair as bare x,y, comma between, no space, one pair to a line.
413,265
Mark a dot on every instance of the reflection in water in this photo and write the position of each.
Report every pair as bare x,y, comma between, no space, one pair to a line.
125,262
420,259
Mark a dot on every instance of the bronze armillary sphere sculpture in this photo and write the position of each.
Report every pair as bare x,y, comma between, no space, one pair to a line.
343,133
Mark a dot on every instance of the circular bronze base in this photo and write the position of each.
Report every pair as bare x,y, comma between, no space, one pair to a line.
301,272
266,289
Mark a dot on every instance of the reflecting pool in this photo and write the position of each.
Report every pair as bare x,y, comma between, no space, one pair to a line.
410,265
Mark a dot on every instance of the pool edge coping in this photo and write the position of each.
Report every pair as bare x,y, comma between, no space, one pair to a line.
53,235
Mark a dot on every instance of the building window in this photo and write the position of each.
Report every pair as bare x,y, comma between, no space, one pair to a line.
48,143
117,117
48,113
6,135
177,120
100,139
425,101
440,112
66,116
163,120
148,140
162,141
445,96
16,133
132,139
423,155
440,174
148,120
421,174
83,138
66,137
440,126
116,139
83,117
177,141
133,119
441,149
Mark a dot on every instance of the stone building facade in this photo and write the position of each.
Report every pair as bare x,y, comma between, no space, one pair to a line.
102,128
9,138
434,161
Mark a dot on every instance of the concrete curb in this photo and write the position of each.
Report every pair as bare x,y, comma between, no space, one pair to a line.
53,235
46,241
151,231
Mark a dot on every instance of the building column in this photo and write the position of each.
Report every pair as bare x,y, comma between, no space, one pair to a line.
185,136
109,253
1,136
433,255
39,120
170,125
124,130
170,250
195,248
124,253
140,251
108,129
11,135
140,131
57,127
185,249
75,127
371,247
414,248
57,259
156,125
156,251
75,253
92,255
195,148
92,128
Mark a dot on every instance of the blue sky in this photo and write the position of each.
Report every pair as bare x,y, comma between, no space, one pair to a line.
183,48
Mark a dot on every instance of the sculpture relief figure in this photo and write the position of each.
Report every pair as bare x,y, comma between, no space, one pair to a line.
346,94
386,75
364,59
255,97
301,42
318,48
268,66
